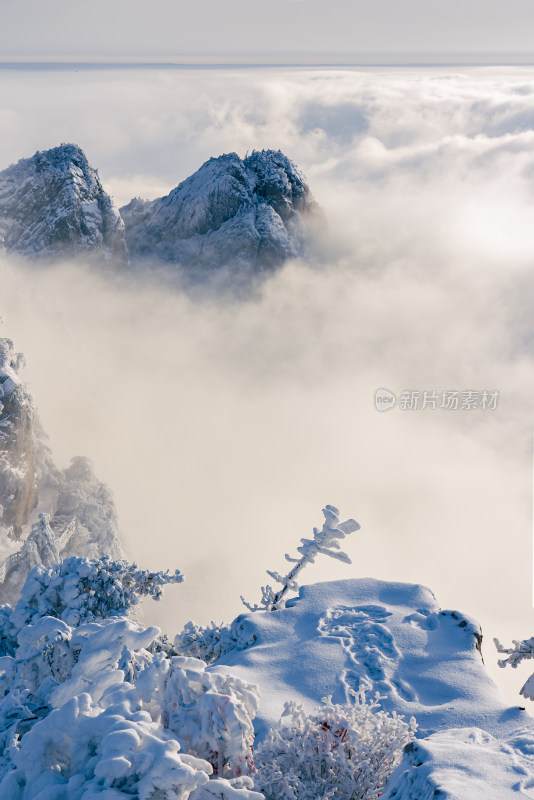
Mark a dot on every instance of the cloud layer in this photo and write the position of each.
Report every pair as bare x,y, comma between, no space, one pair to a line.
223,426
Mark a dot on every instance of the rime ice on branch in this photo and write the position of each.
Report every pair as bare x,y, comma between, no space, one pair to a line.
521,651
324,541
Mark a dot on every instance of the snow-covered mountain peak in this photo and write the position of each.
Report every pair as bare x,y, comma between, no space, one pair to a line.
53,205
279,182
238,214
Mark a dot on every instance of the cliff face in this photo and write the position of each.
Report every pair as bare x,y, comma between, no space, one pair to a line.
244,214
81,517
53,205
18,471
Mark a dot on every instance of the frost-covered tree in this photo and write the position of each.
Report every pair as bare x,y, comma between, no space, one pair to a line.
521,651
80,590
342,751
91,706
210,642
325,541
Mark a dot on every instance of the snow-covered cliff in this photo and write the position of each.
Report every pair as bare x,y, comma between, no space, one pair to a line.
18,468
237,216
80,513
241,214
53,205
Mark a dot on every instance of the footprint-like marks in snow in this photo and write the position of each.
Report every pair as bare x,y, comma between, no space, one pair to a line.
369,645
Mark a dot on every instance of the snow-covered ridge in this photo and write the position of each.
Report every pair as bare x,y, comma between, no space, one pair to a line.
232,212
53,205
238,215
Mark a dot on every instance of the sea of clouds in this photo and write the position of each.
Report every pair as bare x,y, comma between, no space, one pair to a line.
223,425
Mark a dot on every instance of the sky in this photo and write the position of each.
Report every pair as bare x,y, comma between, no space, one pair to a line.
259,30
224,426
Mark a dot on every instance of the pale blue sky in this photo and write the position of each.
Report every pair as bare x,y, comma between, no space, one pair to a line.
296,29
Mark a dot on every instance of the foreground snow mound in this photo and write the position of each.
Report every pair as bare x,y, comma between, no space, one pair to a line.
387,637
338,637
233,213
45,513
465,764
53,205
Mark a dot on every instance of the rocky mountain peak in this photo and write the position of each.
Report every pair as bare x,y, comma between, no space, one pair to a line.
242,214
53,205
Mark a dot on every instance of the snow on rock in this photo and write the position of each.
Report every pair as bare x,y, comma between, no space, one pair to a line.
18,468
465,763
363,633
52,205
79,509
393,638
232,213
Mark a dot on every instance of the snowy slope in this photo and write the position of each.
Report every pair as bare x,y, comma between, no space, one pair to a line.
233,212
53,205
466,763
424,661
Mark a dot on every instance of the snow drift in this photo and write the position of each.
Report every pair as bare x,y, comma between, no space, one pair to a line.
392,638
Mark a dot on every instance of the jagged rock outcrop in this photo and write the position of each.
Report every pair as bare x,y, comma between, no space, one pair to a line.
18,468
79,509
53,205
237,216
242,214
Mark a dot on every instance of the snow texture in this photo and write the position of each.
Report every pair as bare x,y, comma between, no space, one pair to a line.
210,642
466,763
347,752
233,213
90,706
52,205
339,637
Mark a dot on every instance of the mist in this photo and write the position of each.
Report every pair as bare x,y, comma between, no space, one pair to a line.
224,424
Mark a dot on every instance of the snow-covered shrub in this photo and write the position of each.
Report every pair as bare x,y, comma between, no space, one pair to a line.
342,751
209,713
206,642
98,709
83,750
324,541
521,651
116,718
212,641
